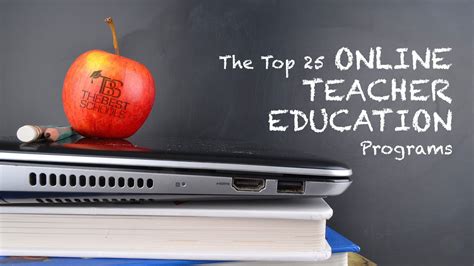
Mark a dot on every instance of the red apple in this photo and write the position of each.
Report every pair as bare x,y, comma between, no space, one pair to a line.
107,95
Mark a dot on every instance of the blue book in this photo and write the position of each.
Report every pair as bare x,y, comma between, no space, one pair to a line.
339,246
339,243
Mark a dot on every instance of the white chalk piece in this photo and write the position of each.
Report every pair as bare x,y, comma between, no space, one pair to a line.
29,133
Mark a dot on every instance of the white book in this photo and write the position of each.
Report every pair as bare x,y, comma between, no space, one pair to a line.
270,230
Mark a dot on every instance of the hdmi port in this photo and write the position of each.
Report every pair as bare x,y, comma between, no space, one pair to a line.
248,184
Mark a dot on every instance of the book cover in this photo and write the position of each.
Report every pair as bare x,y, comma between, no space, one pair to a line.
297,209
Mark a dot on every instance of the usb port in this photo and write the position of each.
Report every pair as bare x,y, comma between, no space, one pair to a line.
294,187
248,184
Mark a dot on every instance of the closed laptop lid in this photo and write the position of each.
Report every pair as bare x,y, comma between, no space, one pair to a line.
172,153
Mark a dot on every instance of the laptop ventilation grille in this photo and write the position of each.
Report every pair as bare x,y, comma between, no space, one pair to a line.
89,200
91,181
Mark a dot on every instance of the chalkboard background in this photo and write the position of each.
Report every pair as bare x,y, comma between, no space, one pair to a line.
412,212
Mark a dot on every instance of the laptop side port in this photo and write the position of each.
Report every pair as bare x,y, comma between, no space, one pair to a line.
248,184
293,187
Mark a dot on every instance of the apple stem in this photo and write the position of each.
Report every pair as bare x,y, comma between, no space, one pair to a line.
110,22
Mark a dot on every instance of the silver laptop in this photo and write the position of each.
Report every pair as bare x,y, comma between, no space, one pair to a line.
90,170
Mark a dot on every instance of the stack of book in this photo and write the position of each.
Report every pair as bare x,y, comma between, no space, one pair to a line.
263,232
